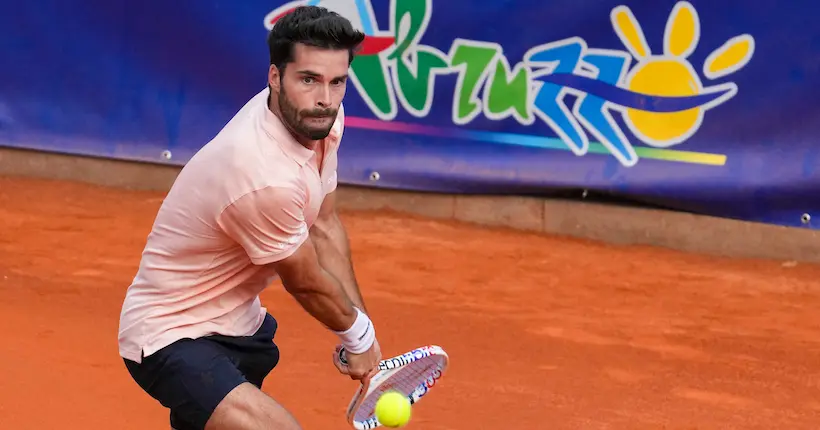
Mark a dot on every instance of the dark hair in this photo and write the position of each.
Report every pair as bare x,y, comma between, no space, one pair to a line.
313,26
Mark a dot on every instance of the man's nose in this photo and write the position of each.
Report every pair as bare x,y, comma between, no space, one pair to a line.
324,97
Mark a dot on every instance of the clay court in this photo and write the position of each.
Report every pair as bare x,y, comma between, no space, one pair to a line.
543,332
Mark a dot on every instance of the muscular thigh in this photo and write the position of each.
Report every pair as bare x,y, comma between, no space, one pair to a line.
248,408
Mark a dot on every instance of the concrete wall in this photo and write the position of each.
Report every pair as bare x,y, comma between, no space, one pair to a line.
597,221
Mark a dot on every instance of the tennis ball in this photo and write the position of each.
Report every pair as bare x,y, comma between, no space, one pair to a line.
393,409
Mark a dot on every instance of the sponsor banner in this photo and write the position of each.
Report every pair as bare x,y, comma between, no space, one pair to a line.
707,107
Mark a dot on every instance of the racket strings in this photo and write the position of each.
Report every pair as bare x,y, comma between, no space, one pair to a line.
406,380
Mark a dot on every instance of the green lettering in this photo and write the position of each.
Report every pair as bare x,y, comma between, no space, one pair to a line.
409,33
373,79
506,95
416,87
414,78
472,58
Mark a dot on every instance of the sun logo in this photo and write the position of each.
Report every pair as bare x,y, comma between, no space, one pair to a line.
672,75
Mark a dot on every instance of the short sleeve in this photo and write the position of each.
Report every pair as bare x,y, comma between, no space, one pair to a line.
268,223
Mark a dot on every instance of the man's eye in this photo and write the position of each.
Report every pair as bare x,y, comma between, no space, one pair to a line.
307,80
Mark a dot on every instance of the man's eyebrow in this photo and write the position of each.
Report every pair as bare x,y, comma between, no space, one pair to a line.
309,73
317,75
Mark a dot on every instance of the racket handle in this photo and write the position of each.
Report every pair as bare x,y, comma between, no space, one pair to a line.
343,356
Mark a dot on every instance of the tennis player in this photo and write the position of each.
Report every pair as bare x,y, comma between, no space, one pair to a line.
254,203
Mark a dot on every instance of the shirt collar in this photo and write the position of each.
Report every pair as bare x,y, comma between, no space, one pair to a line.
276,129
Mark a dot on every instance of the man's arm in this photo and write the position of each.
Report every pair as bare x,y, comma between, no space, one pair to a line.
270,226
316,290
333,249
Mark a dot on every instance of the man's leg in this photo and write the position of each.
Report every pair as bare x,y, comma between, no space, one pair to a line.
248,408
193,378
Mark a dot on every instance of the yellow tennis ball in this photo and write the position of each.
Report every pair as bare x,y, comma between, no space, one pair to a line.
393,409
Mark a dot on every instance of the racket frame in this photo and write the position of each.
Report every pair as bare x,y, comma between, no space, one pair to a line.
389,367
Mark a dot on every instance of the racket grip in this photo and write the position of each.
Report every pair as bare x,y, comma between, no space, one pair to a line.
343,356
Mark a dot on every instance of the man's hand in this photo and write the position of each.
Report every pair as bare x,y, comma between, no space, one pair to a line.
359,366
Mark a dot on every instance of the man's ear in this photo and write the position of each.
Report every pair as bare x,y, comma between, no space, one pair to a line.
274,79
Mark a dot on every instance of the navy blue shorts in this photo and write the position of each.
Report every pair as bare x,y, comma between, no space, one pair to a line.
191,376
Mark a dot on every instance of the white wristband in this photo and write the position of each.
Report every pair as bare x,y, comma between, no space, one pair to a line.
360,336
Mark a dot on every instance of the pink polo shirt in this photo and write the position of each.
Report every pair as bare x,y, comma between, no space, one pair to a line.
246,199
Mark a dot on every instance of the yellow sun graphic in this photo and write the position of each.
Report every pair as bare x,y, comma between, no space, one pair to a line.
671,74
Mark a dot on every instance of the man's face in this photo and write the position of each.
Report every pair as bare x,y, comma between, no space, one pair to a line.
311,89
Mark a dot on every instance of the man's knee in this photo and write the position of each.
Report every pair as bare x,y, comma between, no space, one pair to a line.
247,407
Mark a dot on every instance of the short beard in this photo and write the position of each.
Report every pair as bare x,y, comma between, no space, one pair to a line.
292,115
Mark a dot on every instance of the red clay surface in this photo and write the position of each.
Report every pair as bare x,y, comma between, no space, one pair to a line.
544,333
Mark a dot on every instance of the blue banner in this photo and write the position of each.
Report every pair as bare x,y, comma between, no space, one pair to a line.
702,106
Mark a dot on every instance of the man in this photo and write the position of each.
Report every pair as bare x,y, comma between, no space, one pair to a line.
255,202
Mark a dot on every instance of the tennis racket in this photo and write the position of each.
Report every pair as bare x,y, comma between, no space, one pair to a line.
412,374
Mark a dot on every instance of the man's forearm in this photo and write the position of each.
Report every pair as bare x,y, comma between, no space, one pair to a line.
333,250
322,296
318,291
327,304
